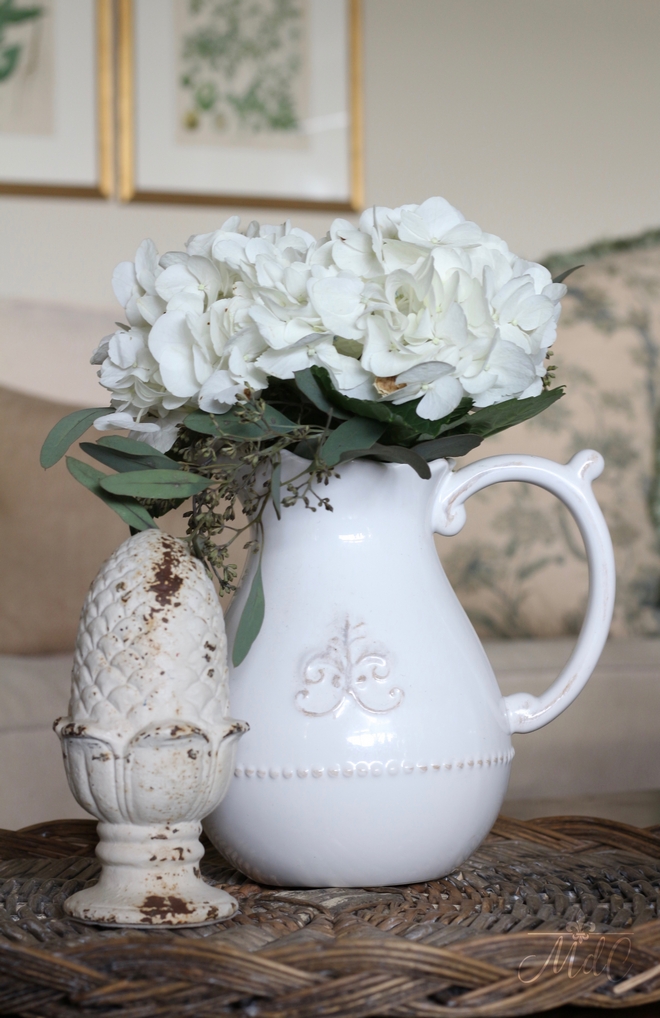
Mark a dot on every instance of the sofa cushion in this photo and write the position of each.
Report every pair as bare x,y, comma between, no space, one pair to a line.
606,741
33,692
54,534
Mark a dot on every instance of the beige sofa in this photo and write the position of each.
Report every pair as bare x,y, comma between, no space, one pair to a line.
518,566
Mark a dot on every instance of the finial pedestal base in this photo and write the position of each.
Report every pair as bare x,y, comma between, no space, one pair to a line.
150,877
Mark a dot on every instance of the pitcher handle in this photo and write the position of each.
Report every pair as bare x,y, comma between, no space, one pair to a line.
572,484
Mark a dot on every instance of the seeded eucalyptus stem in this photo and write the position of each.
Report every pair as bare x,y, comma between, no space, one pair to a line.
240,473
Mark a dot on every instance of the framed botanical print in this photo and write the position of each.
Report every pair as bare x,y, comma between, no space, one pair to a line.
56,120
237,102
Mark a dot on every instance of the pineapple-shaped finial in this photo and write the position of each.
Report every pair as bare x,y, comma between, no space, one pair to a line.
151,639
148,747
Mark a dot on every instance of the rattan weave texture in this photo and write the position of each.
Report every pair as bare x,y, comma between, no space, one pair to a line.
544,913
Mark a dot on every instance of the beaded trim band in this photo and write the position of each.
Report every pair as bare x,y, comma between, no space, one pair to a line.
376,769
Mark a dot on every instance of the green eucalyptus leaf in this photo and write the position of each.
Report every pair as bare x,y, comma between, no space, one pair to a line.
564,275
309,386
131,512
275,489
399,433
220,425
492,419
352,407
133,447
348,347
448,424
201,422
66,431
119,460
447,445
407,412
392,454
251,620
246,431
130,446
357,433
155,484
276,421
306,449
223,425
405,427
230,425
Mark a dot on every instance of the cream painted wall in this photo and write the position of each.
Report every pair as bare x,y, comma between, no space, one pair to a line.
538,118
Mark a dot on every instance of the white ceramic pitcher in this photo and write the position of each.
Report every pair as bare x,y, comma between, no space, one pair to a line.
380,744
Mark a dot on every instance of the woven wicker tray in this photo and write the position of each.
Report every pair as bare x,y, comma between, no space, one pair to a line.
545,913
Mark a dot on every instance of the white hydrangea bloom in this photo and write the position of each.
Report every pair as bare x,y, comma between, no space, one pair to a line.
410,302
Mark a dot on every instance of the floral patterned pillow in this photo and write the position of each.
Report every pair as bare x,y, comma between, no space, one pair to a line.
519,566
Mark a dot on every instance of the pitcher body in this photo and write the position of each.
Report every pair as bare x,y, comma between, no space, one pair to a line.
378,750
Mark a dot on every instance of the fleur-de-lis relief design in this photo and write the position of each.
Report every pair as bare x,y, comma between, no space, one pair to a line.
580,930
345,670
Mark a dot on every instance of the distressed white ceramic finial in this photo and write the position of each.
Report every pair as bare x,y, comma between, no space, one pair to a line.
148,747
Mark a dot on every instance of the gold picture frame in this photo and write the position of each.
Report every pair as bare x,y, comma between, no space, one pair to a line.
130,188
104,155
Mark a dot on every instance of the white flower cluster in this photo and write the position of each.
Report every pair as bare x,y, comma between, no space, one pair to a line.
412,302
